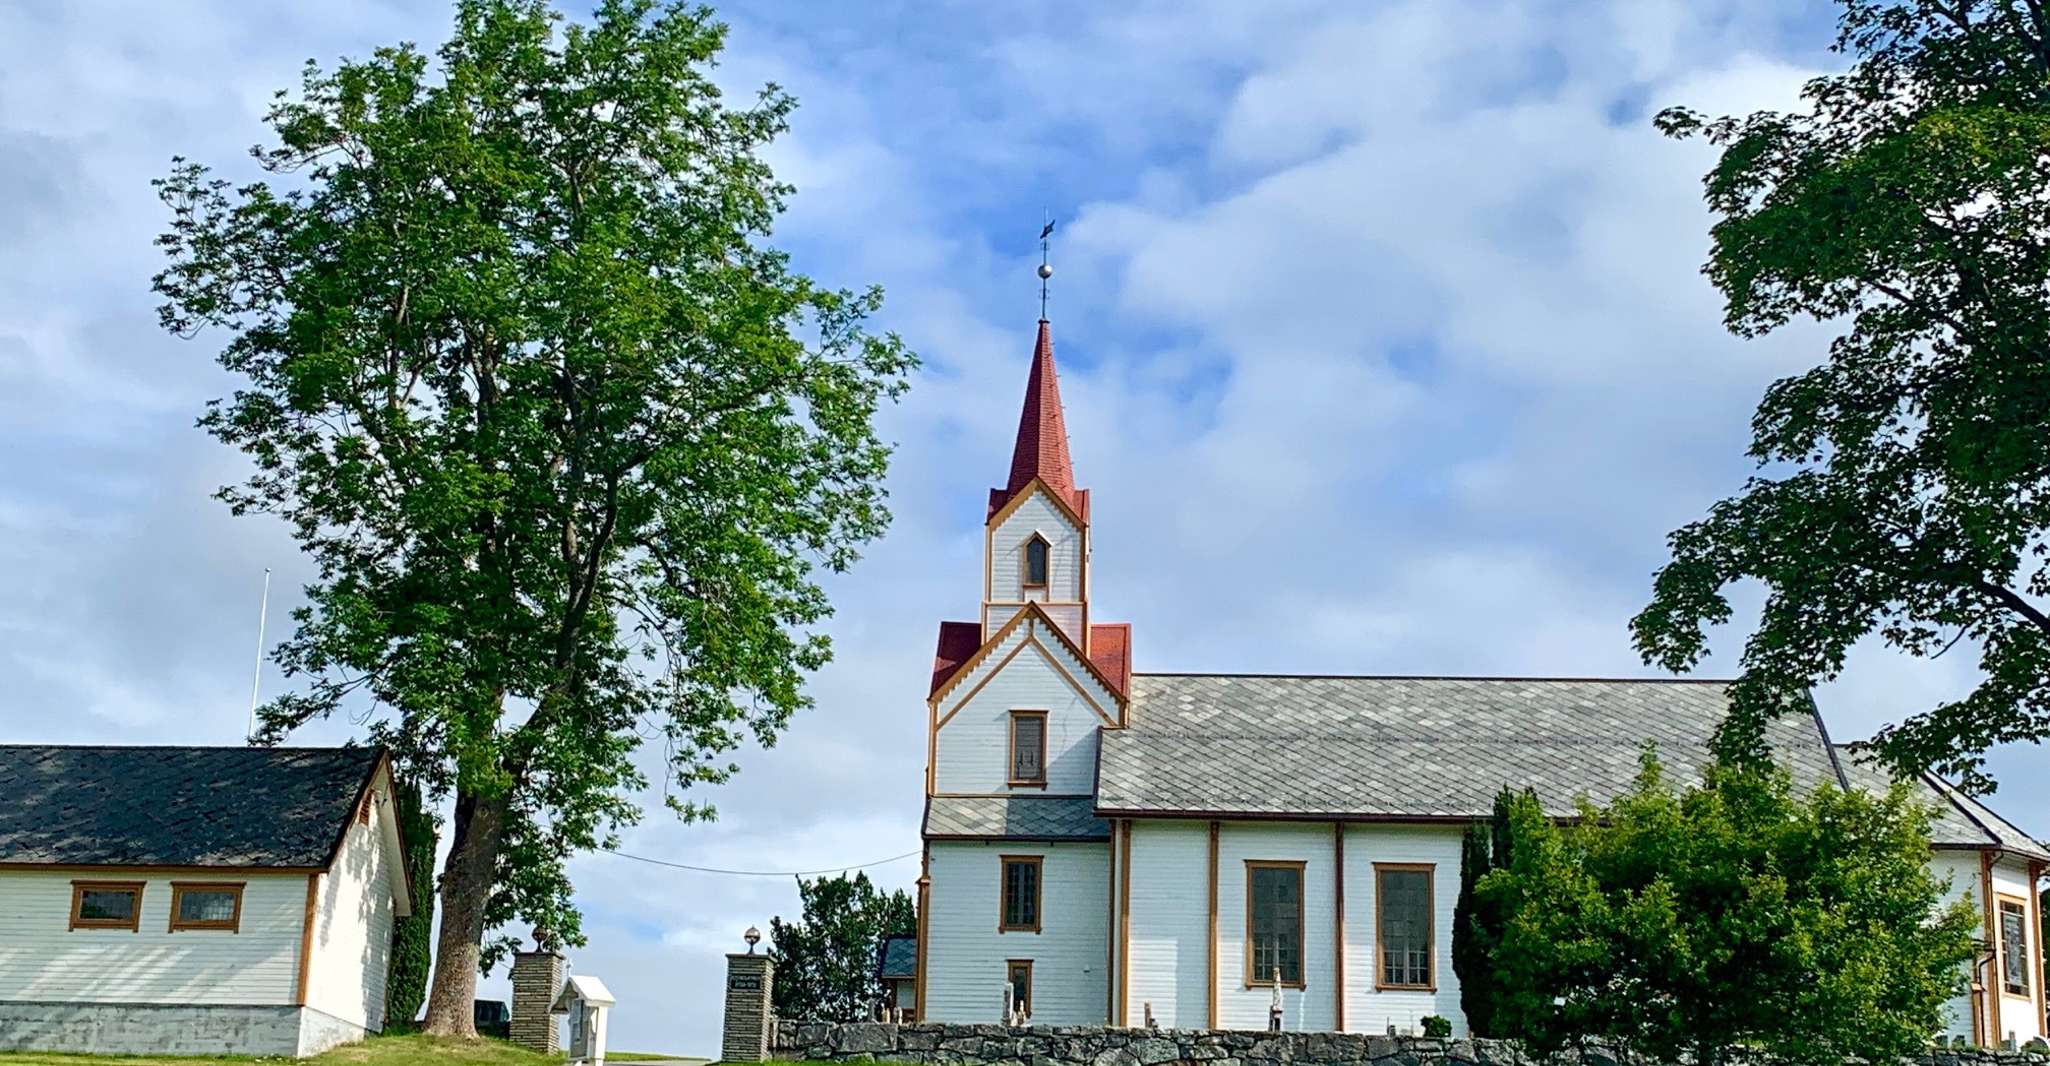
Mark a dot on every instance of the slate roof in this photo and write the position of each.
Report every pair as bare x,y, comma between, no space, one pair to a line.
897,958
1407,748
178,806
1013,818
1961,821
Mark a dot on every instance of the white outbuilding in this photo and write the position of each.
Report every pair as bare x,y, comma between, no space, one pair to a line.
195,901
587,1001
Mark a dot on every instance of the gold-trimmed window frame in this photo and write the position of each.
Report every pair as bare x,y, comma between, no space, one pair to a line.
2002,902
1025,580
132,923
1011,748
1011,969
1004,864
1302,944
1430,872
232,924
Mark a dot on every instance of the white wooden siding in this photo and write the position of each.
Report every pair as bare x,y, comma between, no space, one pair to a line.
974,742
1068,616
41,958
353,922
1238,1006
1170,926
1064,555
964,980
1170,932
1961,868
1368,1010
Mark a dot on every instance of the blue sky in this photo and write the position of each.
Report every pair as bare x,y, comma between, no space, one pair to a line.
1381,330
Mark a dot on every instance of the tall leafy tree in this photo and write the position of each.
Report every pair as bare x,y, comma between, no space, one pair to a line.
565,436
826,960
1736,914
1904,490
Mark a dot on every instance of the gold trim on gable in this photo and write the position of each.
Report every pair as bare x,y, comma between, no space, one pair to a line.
1033,610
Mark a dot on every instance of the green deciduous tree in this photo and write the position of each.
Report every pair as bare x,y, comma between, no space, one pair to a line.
1905,491
565,437
826,960
1733,914
412,938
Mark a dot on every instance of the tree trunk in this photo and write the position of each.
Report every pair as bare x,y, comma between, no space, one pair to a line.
465,886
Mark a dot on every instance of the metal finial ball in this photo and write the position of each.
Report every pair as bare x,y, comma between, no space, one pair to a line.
1045,271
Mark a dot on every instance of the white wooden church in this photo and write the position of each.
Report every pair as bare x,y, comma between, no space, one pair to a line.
1104,846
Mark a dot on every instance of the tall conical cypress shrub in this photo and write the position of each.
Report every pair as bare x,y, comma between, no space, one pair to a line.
1472,947
412,941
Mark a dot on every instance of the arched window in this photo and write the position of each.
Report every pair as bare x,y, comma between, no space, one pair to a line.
1036,550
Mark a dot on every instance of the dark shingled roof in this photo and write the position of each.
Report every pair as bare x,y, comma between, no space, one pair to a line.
1014,818
1408,748
168,806
897,958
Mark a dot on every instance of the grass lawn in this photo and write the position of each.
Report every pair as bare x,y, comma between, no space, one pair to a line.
377,1051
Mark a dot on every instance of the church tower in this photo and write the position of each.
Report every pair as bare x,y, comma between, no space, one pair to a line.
1020,700
1036,530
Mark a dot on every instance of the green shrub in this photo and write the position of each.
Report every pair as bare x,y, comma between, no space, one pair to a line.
1437,1027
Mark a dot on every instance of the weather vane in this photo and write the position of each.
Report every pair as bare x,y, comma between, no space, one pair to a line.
1045,268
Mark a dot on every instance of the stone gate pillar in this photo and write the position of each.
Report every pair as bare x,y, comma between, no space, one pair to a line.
749,980
536,979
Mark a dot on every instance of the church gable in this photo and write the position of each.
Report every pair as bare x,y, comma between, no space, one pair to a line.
1036,552
1022,716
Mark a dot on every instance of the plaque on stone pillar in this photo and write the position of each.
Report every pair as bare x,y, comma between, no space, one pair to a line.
750,981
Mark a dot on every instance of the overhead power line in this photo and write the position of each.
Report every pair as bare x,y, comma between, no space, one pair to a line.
758,873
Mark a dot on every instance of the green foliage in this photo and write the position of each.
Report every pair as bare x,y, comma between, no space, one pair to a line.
1907,492
1477,921
567,439
1436,1026
826,960
412,941
1731,914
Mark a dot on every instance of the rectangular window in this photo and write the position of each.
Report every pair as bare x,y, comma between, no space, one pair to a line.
1018,976
1021,894
206,905
2014,946
106,905
1274,923
1028,748
1402,923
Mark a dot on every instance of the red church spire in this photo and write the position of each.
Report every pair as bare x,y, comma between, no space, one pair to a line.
1042,448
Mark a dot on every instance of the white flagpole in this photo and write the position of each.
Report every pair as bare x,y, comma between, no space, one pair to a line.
256,685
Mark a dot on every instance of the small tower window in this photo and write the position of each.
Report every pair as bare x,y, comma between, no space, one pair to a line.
1036,550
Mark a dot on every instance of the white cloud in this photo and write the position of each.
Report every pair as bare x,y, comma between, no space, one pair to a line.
1381,332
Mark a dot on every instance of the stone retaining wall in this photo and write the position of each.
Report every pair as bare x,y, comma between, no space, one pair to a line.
1098,1046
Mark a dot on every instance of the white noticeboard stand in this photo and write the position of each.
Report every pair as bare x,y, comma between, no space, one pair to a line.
586,1000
